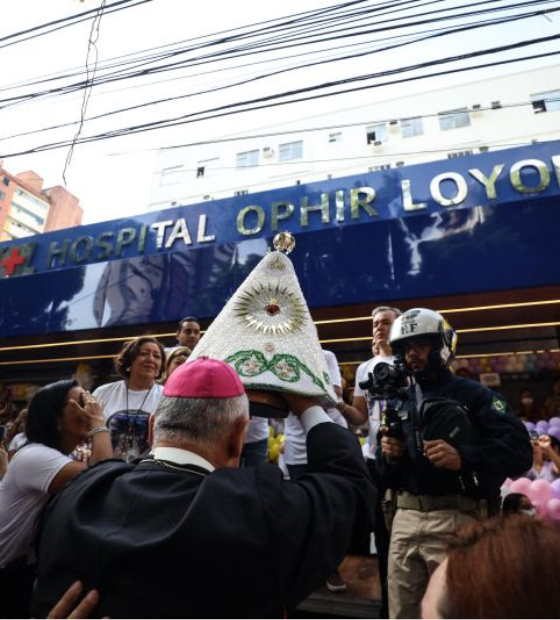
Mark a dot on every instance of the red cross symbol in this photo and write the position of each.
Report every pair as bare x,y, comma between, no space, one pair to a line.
13,260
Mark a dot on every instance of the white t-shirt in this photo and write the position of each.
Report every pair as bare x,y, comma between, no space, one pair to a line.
295,447
23,493
17,442
375,407
127,413
257,430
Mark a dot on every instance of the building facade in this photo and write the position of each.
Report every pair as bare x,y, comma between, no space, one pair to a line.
26,209
513,110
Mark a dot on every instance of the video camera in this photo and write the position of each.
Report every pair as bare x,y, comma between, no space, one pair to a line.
431,418
390,383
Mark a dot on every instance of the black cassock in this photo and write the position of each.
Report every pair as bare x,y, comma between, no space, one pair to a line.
168,541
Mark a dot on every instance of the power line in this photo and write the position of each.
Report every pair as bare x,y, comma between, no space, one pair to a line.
365,123
251,50
66,22
92,44
269,101
43,79
264,76
455,149
107,78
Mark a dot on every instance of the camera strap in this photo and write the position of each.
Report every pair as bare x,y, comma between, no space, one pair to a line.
418,424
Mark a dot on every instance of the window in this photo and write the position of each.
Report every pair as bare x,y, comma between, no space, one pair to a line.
2,195
28,198
546,102
26,212
380,168
377,133
412,127
247,159
335,137
200,171
454,119
291,150
456,154
6,181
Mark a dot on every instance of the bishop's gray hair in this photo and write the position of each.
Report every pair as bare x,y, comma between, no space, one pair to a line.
199,421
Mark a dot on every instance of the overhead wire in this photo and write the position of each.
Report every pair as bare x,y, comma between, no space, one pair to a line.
164,123
267,75
218,56
92,45
80,72
363,123
61,23
222,111
109,77
393,154
518,5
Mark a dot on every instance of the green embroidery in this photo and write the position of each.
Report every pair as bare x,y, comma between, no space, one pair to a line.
283,365
498,405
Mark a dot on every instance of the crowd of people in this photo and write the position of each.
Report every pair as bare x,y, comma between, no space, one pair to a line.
176,494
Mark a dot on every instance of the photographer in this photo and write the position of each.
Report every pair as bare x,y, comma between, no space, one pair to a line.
448,444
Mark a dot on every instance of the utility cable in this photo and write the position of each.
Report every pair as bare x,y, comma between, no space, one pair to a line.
271,74
269,102
92,44
217,56
114,8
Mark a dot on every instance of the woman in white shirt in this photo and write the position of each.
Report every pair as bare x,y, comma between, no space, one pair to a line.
60,416
128,404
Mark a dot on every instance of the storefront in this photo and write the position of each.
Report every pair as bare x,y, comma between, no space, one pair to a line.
475,236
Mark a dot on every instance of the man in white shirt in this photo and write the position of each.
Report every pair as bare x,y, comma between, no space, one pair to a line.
295,450
365,408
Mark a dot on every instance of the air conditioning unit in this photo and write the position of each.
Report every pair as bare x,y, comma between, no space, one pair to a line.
268,151
496,105
399,164
393,126
378,144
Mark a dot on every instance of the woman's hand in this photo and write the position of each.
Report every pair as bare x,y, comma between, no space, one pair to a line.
90,411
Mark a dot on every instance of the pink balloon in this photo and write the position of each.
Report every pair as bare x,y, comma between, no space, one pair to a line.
555,488
521,485
540,491
540,509
553,508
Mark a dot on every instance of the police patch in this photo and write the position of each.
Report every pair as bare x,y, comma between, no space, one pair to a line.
498,405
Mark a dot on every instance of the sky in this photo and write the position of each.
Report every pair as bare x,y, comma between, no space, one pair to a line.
112,177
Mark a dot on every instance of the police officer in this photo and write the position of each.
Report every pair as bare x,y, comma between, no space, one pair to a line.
452,442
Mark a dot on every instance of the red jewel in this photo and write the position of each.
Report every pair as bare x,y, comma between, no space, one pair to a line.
272,309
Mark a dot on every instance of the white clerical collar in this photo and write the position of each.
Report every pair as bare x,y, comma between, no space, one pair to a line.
181,457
